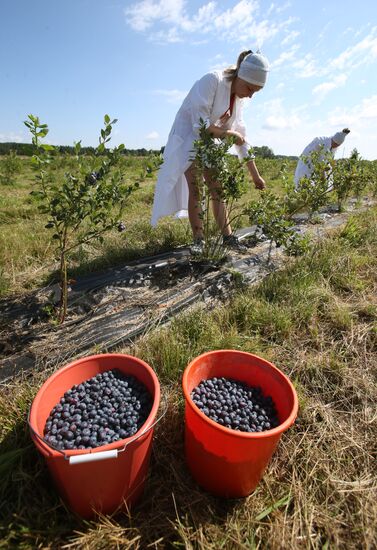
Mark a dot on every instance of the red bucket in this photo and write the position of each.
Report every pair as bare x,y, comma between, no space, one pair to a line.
103,479
226,462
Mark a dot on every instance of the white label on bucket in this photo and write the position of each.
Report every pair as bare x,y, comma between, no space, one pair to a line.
91,457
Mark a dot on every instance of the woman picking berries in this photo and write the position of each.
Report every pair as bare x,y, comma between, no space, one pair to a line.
217,99
325,146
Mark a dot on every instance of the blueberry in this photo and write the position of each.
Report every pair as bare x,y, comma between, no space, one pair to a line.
235,404
107,407
121,227
92,178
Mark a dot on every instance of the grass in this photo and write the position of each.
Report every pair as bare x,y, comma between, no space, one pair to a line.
27,255
317,321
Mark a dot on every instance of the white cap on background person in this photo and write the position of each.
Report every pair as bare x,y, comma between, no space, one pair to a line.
339,137
254,69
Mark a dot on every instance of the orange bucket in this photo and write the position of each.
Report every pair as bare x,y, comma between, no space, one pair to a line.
226,462
105,478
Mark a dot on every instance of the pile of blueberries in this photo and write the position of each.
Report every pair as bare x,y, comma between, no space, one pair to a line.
235,405
106,408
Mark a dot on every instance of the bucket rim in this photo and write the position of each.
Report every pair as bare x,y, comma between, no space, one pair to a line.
238,433
66,453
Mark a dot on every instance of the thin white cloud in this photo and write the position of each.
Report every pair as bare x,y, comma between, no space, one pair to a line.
169,36
278,8
291,35
142,15
278,118
284,7
306,67
281,122
361,115
238,17
361,53
153,135
323,32
356,32
172,96
240,23
321,90
364,52
270,9
285,57
12,137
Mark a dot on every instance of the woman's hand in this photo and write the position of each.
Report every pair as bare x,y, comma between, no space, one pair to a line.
259,183
239,139
257,178
218,132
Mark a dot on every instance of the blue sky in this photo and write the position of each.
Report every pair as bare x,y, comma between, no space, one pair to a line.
72,61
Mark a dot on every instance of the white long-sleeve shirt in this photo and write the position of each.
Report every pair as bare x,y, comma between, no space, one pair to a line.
208,99
303,167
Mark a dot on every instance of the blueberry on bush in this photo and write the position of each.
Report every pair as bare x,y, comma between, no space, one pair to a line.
92,178
106,408
235,405
121,227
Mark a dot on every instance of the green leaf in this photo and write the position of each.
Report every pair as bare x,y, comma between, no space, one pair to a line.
106,119
42,133
284,501
77,146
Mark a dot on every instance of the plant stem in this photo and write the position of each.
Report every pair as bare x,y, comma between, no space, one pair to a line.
63,278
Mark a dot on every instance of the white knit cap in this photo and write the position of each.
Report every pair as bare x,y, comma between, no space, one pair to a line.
254,68
339,137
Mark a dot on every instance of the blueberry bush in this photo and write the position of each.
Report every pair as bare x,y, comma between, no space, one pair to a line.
88,202
211,155
313,191
10,166
350,177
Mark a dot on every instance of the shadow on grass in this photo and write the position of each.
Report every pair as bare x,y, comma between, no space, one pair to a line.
30,509
115,257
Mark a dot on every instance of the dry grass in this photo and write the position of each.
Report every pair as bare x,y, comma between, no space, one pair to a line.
317,320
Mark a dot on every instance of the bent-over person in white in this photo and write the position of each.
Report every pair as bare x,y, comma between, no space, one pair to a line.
217,98
326,145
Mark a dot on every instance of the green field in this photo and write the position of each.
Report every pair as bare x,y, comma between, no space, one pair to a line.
316,320
26,254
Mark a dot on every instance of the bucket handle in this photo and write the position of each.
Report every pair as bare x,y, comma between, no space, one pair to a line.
100,455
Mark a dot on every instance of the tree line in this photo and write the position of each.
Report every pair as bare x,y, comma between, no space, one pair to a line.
28,150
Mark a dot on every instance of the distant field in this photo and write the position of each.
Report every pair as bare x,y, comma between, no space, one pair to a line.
26,254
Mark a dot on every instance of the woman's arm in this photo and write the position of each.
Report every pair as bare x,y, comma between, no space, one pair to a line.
240,140
201,98
218,132
257,178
